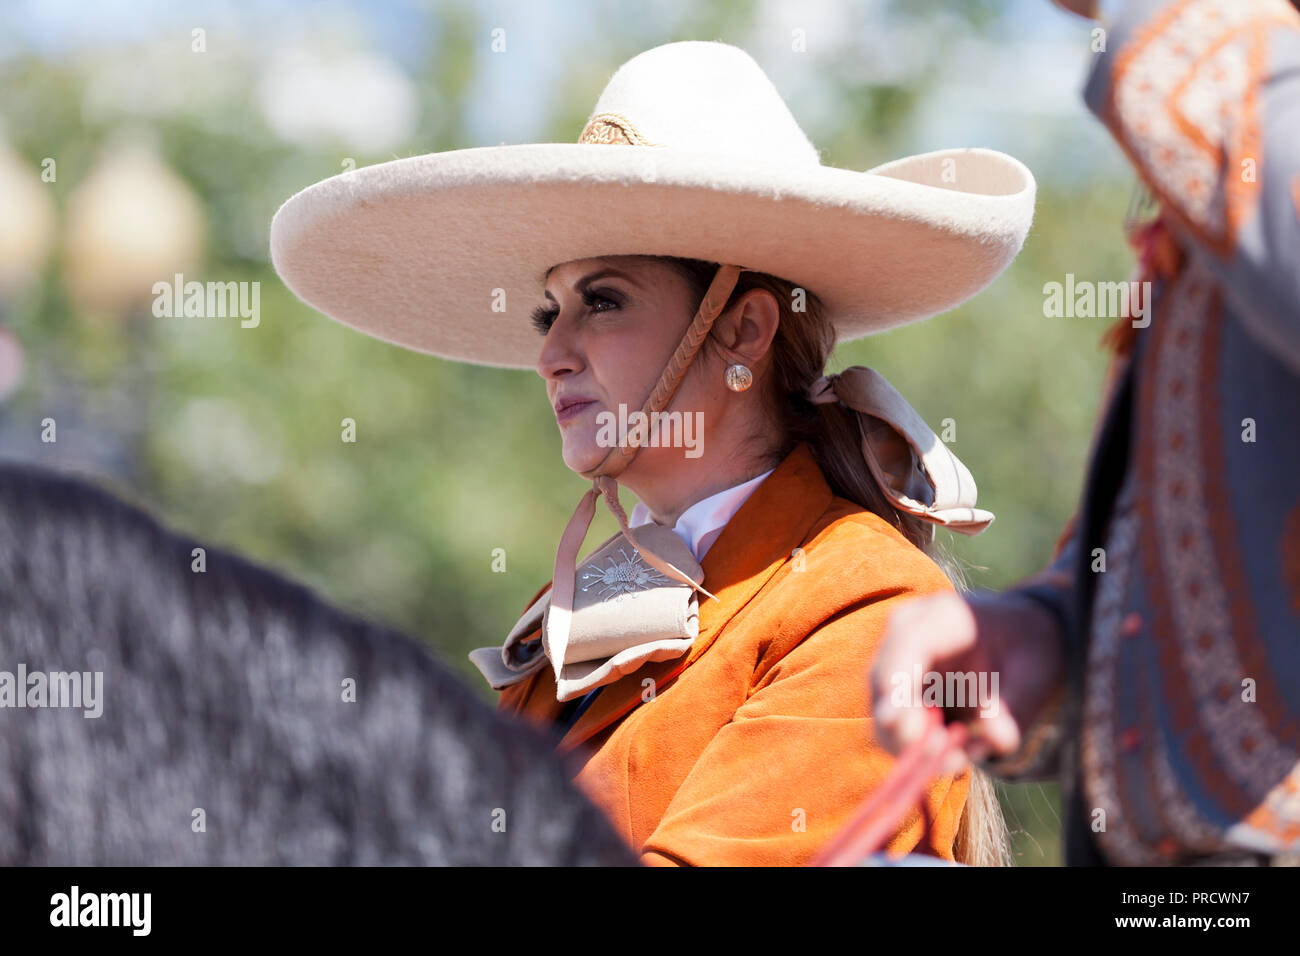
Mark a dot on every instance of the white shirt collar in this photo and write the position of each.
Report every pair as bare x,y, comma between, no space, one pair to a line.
701,523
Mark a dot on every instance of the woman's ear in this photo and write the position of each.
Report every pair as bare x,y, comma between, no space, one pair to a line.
749,326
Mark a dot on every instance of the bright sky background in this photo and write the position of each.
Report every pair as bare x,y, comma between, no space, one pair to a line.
1018,93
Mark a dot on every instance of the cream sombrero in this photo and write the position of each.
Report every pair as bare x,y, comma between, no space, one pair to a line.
690,152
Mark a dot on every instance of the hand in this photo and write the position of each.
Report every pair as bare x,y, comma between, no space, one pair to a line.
1010,643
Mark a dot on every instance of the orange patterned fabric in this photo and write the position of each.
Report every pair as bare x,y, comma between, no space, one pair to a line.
1183,106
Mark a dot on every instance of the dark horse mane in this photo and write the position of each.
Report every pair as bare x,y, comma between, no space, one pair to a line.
225,736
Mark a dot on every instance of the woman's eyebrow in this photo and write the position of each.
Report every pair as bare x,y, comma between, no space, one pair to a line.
599,274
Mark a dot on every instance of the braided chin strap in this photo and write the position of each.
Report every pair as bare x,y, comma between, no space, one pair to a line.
604,476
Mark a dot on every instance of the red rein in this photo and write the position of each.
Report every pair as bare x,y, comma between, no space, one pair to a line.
879,816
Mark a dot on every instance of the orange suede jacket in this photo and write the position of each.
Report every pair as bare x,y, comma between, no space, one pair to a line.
756,747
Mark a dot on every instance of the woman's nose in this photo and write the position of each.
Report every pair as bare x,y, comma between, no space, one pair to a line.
560,352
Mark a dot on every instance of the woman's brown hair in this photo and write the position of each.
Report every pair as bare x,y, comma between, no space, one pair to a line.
800,349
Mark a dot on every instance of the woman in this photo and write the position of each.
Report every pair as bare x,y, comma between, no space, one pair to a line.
707,663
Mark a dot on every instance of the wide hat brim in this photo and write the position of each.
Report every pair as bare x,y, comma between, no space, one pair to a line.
446,253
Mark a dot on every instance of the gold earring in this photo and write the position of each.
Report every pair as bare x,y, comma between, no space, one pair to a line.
739,378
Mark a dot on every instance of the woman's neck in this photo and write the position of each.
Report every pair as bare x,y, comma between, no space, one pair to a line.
669,487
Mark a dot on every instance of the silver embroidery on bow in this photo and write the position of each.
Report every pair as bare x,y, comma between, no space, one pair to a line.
622,577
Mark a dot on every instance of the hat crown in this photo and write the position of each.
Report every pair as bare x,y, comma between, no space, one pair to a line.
698,95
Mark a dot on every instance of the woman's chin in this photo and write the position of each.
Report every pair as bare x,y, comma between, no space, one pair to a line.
581,453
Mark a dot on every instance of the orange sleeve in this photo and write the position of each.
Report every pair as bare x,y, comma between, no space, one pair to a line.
790,769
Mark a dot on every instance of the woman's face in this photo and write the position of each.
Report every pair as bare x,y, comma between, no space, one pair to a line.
611,324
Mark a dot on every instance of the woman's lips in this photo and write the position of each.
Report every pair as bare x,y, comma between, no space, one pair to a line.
564,414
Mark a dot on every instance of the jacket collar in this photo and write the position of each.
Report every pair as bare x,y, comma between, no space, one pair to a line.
701,523
758,539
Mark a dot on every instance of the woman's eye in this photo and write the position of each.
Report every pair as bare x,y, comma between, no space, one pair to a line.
544,318
590,298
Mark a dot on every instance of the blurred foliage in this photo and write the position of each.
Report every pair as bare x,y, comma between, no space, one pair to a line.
233,434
